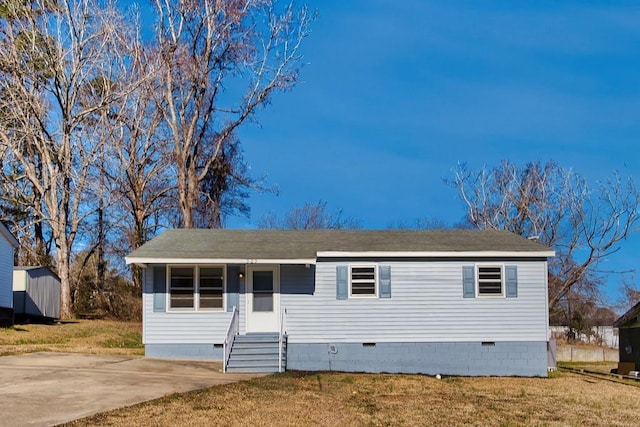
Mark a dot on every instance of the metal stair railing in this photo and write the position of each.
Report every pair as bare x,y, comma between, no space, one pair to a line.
232,331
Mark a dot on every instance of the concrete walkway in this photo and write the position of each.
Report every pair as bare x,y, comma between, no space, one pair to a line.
43,389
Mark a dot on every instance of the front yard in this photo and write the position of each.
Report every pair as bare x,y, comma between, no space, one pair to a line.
77,336
338,399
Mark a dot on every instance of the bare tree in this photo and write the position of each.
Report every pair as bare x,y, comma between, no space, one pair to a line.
630,293
51,52
33,235
429,223
221,62
225,188
309,216
557,207
138,157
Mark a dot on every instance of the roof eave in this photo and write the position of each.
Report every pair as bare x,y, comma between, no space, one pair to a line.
435,254
144,261
9,236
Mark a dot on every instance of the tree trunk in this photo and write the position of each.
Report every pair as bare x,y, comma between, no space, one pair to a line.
64,272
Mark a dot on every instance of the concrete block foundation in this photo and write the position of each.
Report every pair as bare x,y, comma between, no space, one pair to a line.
465,358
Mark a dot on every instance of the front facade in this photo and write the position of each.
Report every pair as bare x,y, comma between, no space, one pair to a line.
448,302
8,243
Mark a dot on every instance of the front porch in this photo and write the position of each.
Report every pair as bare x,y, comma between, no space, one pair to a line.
255,351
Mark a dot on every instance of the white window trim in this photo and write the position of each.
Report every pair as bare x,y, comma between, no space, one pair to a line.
375,278
196,289
502,279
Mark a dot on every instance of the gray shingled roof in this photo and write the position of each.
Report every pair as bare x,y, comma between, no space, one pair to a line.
304,244
626,318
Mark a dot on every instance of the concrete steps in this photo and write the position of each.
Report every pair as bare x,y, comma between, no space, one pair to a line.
255,353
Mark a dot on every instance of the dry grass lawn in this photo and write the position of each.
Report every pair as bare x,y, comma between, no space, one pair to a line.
602,367
340,399
78,336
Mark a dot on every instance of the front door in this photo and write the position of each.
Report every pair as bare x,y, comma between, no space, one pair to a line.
263,299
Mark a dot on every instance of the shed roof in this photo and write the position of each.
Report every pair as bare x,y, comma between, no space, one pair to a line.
308,245
35,267
626,318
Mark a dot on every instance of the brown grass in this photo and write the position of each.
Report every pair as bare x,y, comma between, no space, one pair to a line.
602,367
339,399
78,336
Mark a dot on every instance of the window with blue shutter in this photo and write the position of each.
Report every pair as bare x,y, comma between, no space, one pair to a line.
363,281
490,280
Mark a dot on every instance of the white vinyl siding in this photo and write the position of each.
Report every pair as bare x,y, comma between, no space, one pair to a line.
427,306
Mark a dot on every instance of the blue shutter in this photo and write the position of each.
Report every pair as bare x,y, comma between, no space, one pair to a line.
147,277
159,288
233,287
511,273
385,281
468,281
342,281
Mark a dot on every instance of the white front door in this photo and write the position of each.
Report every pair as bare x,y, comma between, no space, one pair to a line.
263,299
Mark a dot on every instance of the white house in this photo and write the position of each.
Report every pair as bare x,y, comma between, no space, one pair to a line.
8,243
457,302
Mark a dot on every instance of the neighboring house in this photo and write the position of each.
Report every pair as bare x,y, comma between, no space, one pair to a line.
457,302
629,335
36,292
8,243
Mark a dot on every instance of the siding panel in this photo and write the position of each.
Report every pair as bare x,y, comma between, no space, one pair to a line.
427,305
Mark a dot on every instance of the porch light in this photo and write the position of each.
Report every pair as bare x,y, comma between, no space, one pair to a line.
241,275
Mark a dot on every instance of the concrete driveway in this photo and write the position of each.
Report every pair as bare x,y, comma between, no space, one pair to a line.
43,389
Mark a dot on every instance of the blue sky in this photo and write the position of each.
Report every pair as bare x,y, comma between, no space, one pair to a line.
395,94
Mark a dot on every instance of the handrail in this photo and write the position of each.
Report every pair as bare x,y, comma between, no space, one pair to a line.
232,331
283,331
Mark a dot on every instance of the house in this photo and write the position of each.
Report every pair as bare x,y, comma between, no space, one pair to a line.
36,292
456,302
8,243
629,338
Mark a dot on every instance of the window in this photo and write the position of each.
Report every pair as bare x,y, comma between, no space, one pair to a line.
211,287
196,288
263,291
490,280
181,287
363,280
